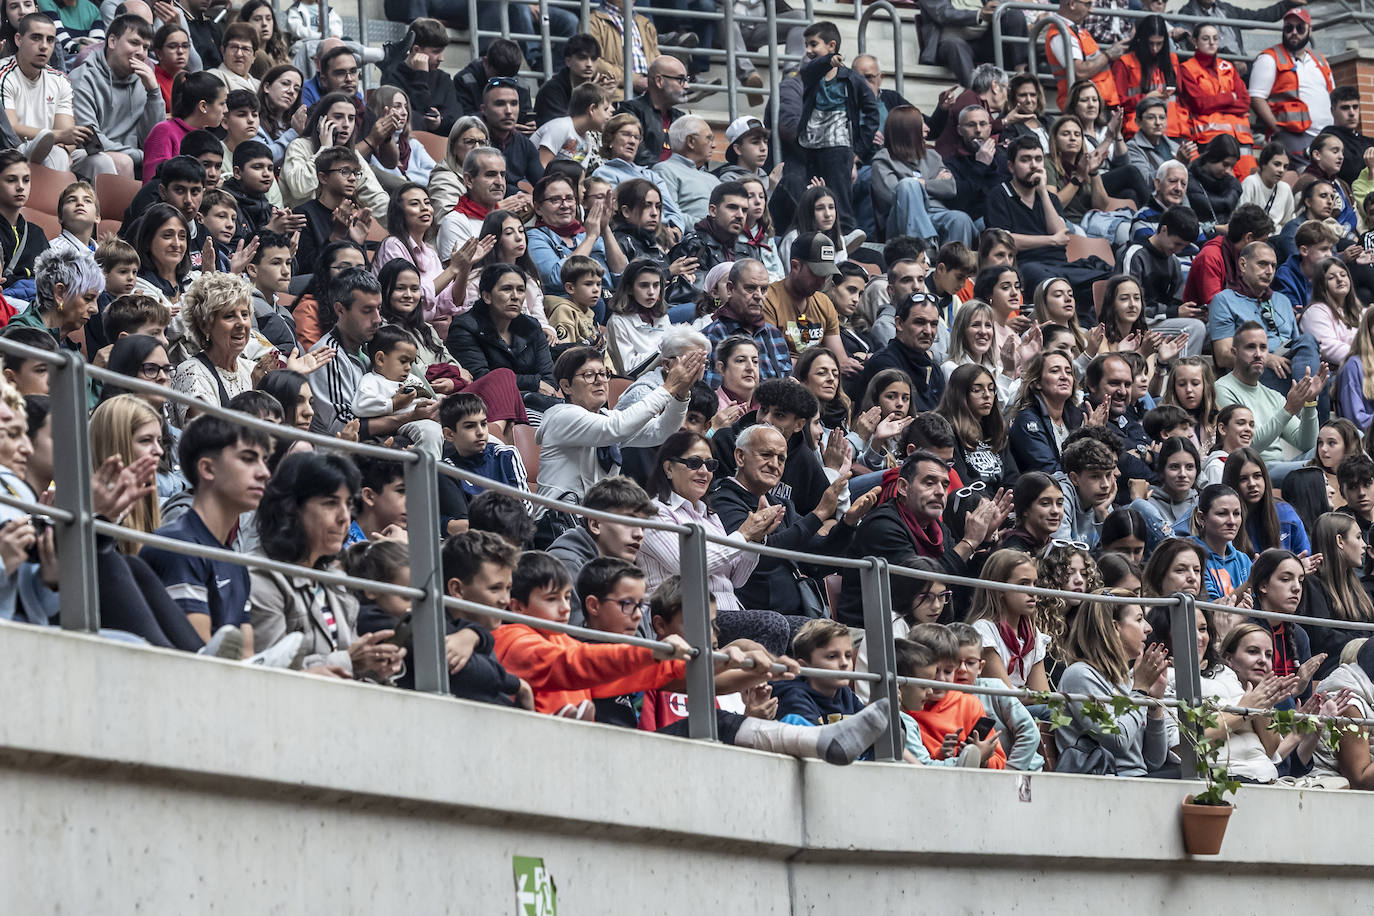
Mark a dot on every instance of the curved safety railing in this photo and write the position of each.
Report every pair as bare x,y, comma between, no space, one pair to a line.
76,526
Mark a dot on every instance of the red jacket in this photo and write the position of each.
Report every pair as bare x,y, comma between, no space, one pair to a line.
1212,271
561,670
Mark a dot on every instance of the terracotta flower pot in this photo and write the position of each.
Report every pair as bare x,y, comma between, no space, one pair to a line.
1204,826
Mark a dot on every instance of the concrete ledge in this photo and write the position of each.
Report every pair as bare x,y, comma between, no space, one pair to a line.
143,780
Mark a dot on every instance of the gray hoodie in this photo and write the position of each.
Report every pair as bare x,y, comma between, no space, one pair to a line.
1173,511
122,111
1079,524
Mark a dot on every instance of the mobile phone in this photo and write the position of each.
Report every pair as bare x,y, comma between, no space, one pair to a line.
401,636
40,524
982,728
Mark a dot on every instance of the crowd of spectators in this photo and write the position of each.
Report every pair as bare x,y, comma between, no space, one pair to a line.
1125,349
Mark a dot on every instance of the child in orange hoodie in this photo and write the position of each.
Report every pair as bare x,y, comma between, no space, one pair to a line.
947,717
564,673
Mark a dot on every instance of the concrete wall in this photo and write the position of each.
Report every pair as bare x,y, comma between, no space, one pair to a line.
140,780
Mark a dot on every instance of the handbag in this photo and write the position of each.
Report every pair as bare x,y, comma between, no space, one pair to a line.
812,602
1086,756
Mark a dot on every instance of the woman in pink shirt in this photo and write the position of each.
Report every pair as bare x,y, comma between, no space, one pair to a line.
1334,315
197,102
411,218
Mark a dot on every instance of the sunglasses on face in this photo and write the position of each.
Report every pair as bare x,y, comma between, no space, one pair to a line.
696,463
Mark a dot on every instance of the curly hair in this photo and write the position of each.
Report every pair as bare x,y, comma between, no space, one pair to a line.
209,295
1052,615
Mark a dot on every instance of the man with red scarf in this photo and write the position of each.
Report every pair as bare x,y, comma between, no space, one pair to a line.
910,524
484,173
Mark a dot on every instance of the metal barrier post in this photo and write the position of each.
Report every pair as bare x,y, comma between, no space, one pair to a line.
505,20
586,16
882,653
627,22
428,661
473,38
696,624
898,68
75,540
1187,670
363,73
731,98
545,45
774,104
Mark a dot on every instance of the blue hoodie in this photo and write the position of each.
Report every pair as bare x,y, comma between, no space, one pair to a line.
1224,574
800,704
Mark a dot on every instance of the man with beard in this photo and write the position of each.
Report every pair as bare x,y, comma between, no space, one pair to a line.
657,109
910,525
1290,87
744,314
716,239
1025,207
977,164
1291,418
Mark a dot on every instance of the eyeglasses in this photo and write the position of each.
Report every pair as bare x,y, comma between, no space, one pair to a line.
599,376
342,73
245,49
628,605
683,80
153,370
941,598
356,173
696,463
559,201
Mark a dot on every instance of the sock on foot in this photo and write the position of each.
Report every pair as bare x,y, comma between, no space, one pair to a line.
840,743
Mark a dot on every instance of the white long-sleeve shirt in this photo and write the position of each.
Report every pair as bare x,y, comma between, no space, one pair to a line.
727,568
570,436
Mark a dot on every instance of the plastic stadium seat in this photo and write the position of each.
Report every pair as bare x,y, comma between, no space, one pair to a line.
524,443
108,227
615,388
45,222
435,145
47,187
115,194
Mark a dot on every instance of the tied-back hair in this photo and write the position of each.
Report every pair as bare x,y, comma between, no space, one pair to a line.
1263,569
1265,510
954,407
990,604
1093,638
840,404
1030,380
879,383
1204,417
1348,599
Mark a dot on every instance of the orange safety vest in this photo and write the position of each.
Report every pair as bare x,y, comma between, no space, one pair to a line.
1126,71
1214,82
1104,81
1288,107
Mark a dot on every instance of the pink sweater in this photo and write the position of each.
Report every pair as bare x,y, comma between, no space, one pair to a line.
164,142
1334,337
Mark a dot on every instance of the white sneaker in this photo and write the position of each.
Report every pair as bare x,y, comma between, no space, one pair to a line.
226,643
41,146
853,239
288,652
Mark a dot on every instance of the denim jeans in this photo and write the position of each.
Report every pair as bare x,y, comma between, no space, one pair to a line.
1304,356
912,214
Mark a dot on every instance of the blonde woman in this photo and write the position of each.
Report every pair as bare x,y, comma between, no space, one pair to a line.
1355,382
972,341
128,427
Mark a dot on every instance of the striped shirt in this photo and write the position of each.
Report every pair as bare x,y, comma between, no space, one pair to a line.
334,384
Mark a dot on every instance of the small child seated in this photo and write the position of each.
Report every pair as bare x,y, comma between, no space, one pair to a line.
467,445
565,673
819,644
1167,421
943,723
132,314
574,318
390,388
252,187
502,515
1020,735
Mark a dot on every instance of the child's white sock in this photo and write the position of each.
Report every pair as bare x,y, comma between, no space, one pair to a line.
839,743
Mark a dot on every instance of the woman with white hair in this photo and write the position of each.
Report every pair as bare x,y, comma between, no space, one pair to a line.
446,183
675,343
218,311
67,284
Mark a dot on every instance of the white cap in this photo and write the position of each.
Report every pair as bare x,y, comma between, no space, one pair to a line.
741,126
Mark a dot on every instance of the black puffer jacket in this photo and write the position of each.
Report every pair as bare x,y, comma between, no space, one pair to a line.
1212,199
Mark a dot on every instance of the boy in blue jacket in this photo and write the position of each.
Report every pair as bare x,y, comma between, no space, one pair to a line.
463,417
826,644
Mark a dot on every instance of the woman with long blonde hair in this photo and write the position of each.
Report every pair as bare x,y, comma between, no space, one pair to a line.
128,426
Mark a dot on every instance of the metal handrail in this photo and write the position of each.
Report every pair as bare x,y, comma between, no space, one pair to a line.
870,9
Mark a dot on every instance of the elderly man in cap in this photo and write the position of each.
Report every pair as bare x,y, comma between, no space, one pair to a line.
796,306
746,151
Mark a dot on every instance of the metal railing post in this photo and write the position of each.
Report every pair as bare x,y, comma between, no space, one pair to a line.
773,103
586,16
731,98
505,20
882,6
474,38
696,624
363,73
627,22
1039,26
1187,667
545,45
882,654
428,660
75,540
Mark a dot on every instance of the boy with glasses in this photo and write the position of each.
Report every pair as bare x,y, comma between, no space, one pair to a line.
331,216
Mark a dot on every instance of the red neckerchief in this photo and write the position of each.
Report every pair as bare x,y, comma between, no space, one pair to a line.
469,207
1020,643
569,232
930,539
755,236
